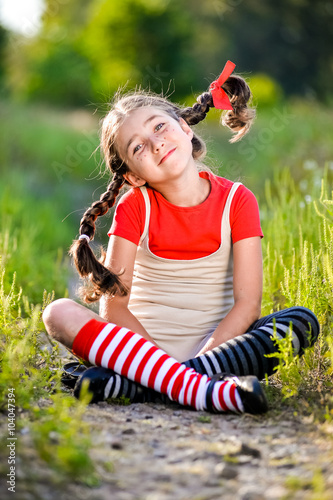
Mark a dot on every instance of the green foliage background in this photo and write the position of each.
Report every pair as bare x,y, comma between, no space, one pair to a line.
86,49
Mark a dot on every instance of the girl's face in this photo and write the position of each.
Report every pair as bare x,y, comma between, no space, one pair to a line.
156,148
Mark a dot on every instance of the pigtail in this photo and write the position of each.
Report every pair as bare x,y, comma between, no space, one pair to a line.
103,280
241,117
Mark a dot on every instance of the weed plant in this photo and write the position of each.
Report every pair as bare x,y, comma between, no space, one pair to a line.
30,364
298,270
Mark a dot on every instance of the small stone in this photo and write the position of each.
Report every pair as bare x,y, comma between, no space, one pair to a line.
154,443
212,482
160,453
163,478
158,407
275,492
246,459
178,460
248,450
206,455
117,445
128,431
226,471
250,493
285,464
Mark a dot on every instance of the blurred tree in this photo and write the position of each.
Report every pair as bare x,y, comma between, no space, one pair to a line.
86,49
291,40
51,67
146,42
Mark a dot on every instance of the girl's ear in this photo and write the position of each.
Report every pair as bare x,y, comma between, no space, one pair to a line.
134,180
186,128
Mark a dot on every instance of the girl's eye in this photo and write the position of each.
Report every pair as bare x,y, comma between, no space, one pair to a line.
139,146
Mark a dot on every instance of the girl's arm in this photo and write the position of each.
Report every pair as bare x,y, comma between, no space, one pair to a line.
120,258
247,284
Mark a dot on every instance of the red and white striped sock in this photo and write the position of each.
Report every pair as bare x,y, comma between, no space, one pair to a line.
130,355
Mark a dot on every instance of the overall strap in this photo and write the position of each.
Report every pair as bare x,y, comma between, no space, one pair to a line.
144,192
226,212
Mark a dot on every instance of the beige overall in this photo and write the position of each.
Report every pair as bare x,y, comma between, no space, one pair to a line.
181,302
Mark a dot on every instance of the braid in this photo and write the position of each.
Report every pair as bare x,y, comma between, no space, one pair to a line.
194,115
101,207
103,280
199,110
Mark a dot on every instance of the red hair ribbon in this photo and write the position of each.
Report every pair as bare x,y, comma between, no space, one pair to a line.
220,98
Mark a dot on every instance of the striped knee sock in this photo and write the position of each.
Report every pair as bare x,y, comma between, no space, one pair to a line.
130,355
246,354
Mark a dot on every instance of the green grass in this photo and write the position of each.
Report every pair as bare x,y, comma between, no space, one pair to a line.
45,163
298,270
47,141
30,369
315,487
294,134
298,245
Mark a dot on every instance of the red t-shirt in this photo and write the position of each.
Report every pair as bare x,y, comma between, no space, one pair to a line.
187,233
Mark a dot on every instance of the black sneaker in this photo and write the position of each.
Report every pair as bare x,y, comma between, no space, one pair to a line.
102,381
249,390
71,372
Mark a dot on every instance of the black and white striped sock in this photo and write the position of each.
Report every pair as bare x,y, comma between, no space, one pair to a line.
119,386
246,354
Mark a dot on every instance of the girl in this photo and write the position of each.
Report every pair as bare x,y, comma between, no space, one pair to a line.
182,276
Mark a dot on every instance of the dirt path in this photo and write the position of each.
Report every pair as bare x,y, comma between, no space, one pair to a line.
160,452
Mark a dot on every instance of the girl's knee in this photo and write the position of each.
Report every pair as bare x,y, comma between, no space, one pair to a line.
64,318
54,316
308,315
54,311
309,319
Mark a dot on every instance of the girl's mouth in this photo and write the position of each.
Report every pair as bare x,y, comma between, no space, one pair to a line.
167,156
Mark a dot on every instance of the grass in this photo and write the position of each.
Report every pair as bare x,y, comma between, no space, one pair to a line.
298,270
285,136
297,214
30,369
315,486
41,157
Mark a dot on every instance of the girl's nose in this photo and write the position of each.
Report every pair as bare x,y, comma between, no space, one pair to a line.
156,144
